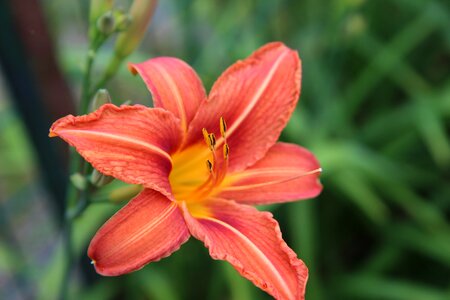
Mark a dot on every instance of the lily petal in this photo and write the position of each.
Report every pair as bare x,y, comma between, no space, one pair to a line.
251,241
175,86
131,143
287,173
256,97
148,228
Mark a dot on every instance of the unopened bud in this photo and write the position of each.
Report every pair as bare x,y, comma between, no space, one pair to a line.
106,23
99,179
123,22
101,97
141,13
79,181
97,8
124,193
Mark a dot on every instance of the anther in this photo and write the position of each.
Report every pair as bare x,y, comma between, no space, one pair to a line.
226,151
212,139
205,136
209,165
223,127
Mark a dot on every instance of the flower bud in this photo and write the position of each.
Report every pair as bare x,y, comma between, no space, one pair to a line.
97,8
106,23
124,193
123,21
79,181
99,179
141,12
140,15
101,97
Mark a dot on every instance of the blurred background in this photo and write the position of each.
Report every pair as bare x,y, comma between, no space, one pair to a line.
374,108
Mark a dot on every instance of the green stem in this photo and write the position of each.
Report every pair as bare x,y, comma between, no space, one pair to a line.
85,96
100,84
76,199
71,201
67,235
86,93
111,70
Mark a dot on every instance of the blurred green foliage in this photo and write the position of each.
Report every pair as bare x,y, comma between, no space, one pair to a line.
375,109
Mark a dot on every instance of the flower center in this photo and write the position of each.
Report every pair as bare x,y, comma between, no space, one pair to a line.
197,174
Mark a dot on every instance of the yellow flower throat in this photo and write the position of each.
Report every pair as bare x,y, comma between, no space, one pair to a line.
193,181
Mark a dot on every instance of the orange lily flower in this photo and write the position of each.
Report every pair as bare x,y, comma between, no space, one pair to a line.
199,174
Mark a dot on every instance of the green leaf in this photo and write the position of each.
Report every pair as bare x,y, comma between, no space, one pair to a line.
363,286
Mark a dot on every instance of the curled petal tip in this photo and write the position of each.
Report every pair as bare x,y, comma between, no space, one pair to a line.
51,133
132,69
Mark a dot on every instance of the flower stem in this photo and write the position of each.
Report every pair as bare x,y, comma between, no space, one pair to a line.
67,235
111,70
86,82
76,200
86,93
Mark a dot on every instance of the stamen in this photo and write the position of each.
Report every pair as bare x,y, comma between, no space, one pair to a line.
212,140
205,136
223,127
217,168
209,165
224,167
212,173
226,151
